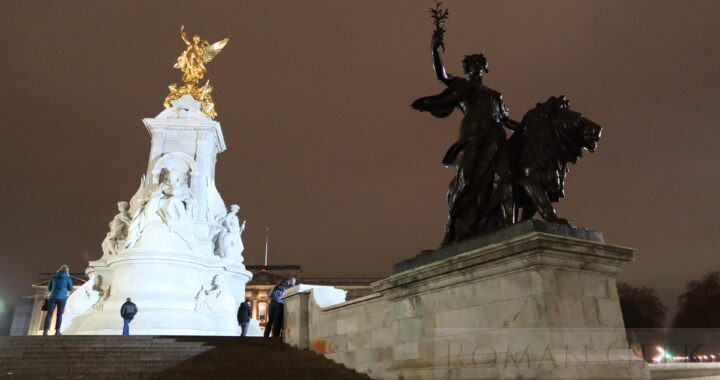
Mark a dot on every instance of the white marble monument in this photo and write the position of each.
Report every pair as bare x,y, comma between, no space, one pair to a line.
174,249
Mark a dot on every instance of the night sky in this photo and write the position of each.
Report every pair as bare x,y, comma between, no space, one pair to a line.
323,147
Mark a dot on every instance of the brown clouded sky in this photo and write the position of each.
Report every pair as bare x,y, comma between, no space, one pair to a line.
323,147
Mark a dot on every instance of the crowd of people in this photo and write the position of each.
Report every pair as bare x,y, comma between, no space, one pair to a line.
61,283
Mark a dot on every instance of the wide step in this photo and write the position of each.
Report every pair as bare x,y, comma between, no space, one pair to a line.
144,357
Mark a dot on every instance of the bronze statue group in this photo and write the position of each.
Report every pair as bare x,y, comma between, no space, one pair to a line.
500,180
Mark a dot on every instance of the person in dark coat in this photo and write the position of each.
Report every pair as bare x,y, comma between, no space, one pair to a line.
58,286
243,316
127,312
275,312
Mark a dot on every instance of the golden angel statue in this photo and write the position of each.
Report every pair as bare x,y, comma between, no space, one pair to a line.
199,52
191,62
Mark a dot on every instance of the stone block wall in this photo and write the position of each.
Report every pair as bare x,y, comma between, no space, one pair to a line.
358,333
538,306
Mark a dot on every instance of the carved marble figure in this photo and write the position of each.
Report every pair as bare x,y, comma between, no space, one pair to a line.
86,297
171,203
215,297
145,214
118,230
176,207
229,241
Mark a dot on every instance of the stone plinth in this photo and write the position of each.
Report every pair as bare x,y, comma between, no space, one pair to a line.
534,305
500,236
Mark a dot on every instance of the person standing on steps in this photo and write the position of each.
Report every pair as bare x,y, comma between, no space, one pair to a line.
58,286
275,314
127,312
243,316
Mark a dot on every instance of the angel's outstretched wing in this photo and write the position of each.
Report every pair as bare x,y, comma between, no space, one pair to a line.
184,35
213,50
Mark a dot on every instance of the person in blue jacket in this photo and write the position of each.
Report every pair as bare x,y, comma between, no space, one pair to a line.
275,311
59,286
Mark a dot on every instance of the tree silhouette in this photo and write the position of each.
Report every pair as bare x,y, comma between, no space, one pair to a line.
699,306
641,307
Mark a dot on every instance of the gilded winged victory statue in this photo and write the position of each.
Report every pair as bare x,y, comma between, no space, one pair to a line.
191,62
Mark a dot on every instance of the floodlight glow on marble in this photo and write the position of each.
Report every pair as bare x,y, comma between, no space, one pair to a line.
174,248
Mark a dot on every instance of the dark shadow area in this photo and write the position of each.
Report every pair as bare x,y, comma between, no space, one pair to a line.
168,357
254,358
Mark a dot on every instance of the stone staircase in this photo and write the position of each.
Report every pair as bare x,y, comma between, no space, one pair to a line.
147,357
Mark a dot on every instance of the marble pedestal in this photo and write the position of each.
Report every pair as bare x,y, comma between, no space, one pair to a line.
174,248
523,304
166,287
